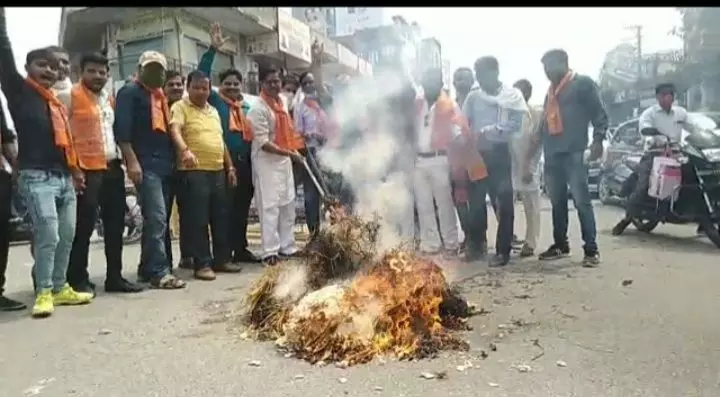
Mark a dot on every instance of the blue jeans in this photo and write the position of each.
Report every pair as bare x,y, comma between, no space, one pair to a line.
154,195
563,170
312,196
51,204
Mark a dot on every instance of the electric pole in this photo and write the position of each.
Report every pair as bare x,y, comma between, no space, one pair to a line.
638,29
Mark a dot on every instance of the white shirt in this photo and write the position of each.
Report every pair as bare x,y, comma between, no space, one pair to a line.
107,118
423,127
669,124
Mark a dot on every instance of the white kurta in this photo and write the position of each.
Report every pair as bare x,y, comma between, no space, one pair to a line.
529,192
274,186
432,188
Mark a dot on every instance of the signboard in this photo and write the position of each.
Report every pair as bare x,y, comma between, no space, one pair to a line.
349,20
294,37
264,44
347,58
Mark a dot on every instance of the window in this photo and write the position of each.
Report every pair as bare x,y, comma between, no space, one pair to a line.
628,134
222,62
131,52
351,10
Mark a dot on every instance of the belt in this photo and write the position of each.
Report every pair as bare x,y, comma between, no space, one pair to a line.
436,153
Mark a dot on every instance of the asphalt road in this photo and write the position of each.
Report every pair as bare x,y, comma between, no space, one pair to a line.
643,324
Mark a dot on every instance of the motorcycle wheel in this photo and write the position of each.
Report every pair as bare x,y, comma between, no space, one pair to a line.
604,194
133,220
711,231
645,225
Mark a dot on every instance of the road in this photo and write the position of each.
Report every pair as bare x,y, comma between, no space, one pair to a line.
643,324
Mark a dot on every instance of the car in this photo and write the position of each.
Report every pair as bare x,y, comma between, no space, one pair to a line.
627,142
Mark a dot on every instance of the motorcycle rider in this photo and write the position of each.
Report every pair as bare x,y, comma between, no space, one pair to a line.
668,119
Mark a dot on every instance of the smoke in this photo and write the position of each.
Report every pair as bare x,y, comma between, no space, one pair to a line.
377,165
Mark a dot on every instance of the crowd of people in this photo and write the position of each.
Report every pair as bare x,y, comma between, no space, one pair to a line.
176,138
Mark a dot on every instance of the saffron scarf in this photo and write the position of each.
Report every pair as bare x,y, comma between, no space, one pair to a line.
59,122
285,135
552,106
236,121
159,110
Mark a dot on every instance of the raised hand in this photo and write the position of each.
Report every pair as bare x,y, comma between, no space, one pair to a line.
217,40
316,51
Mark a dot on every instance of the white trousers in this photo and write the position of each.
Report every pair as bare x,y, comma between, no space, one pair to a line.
531,206
277,230
432,187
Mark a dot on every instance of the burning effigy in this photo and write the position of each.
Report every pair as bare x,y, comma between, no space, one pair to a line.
348,303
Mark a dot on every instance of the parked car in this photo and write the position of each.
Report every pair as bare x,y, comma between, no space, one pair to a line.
625,149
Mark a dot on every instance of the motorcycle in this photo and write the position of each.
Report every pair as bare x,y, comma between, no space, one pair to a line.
695,198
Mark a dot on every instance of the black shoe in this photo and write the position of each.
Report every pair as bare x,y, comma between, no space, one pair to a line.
621,226
245,256
555,252
9,305
591,259
700,231
186,263
499,260
122,286
474,253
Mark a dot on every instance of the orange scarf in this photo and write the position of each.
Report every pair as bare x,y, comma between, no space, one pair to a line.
285,135
159,110
552,106
236,121
59,122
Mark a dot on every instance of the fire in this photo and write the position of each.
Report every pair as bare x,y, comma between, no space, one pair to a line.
397,305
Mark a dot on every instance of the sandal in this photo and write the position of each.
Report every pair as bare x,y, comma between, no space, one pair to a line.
168,281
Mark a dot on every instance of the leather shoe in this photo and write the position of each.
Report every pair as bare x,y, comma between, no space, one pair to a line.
122,286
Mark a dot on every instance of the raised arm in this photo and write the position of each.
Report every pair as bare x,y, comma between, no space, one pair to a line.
316,69
10,80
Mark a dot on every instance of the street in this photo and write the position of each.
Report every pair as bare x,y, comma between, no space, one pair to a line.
645,323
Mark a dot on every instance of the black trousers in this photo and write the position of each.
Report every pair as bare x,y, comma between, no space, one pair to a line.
205,195
239,199
6,190
106,190
638,195
498,185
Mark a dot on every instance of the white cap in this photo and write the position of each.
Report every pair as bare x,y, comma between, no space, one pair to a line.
152,57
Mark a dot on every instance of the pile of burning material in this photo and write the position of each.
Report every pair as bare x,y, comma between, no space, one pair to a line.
400,305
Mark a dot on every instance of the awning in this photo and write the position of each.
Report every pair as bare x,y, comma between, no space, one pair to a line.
290,45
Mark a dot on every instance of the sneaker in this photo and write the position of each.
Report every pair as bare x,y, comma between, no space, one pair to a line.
44,305
554,252
499,260
68,297
10,305
526,251
591,259
205,274
620,227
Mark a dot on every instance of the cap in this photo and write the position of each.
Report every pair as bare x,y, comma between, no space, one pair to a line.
152,56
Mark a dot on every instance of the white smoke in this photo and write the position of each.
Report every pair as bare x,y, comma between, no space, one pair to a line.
365,162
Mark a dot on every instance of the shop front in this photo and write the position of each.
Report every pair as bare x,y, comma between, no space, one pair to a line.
287,48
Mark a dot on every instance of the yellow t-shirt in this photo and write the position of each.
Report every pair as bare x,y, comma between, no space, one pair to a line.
202,132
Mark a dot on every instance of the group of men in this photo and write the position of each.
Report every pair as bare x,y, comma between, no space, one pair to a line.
179,139
486,143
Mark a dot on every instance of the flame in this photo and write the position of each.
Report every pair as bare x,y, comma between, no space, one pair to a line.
394,307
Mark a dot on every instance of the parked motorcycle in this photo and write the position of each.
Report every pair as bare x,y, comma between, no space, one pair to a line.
695,198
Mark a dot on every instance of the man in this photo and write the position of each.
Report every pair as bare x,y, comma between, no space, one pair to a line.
572,102
203,169
91,116
463,81
668,119
8,161
438,123
237,133
275,145
48,171
174,89
315,126
63,85
495,113
141,129
289,88
529,192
